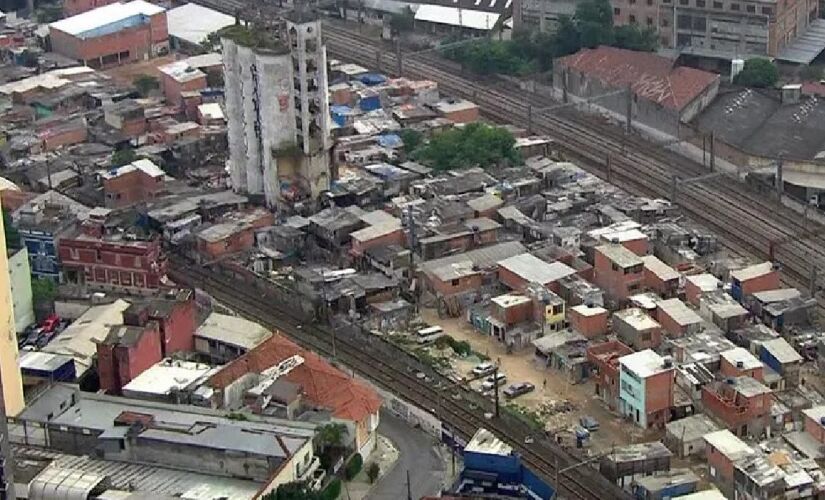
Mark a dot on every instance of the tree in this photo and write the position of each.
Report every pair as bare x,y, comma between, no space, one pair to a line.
758,72
633,37
211,42
298,490
145,84
476,145
43,291
353,467
403,21
122,157
49,13
594,19
411,139
10,232
331,435
372,472
568,39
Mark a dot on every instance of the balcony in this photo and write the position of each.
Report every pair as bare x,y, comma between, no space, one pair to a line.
305,471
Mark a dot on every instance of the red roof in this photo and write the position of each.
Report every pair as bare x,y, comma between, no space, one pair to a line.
650,76
322,384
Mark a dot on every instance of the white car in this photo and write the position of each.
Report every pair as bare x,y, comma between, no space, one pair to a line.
492,382
484,368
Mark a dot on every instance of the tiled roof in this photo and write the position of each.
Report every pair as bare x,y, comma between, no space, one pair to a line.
651,77
323,384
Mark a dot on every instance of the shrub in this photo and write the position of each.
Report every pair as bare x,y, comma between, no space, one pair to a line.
333,490
372,472
353,466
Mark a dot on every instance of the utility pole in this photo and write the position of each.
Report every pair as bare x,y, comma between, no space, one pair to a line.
495,388
529,119
812,285
674,187
609,167
564,80
712,152
779,181
629,110
398,56
378,60
409,486
704,150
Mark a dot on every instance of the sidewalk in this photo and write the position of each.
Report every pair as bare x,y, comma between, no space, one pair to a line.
386,456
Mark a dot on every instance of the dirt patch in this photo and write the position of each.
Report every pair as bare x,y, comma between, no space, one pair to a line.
553,393
127,73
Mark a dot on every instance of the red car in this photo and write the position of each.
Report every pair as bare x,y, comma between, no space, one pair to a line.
49,324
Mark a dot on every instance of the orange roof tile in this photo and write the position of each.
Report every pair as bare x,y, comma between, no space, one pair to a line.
650,76
322,384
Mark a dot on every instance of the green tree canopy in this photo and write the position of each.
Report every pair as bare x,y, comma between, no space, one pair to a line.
145,84
10,232
403,21
411,139
123,157
758,72
633,37
43,291
331,435
475,145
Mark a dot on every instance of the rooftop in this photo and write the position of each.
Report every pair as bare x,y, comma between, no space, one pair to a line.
144,165
193,23
167,377
510,300
780,349
760,124
181,71
255,37
78,339
323,384
484,257
729,445
712,494
535,270
706,282
651,76
232,330
620,255
644,363
102,20
586,310
638,452
741,355
778,295
817,414
679,311
750,387
691,428
667,479
663,271
752,272
484,441
637,318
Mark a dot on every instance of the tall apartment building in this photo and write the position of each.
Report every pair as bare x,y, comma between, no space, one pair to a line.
10,379
278,111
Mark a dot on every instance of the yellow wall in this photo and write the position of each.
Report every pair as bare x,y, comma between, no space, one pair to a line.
9,367
550,318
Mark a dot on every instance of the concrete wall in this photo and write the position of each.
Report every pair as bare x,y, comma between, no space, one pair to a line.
234,114
21,289
632,397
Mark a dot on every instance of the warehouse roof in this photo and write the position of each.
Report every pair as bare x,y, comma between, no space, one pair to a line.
651,76
474,19
94,19
192,22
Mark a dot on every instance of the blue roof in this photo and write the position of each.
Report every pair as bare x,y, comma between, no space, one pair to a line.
340,109
372,78
389,140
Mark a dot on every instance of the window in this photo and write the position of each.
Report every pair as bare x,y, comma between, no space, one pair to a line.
700,3
454,282
750,8
683,2
767,11
632,19
631,2
617,11
665,1
650,21
614,266
735,7
717,5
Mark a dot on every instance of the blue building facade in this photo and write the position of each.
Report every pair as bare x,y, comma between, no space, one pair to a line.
491,466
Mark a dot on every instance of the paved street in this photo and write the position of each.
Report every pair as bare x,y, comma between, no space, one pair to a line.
418,454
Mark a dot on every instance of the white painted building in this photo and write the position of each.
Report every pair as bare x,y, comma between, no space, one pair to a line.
278,113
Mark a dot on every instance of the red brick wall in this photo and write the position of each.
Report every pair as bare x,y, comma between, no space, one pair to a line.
463,116
394,238
463,284
178,331
118,365
659,392
106,368
110,263
589,326
653,282
815,429
608,372
172,88
729,370
130,188
723,466
133,128
511,279
236,242
639,247
513,315
736,415
59,138
616,284
769,281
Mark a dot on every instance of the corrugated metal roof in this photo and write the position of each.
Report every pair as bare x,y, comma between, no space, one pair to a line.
474,19
106,15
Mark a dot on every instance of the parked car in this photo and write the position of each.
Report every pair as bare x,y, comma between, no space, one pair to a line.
492,382
484,368
51,323
589,423
518,389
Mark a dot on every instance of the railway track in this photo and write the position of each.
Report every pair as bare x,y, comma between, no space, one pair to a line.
397,371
